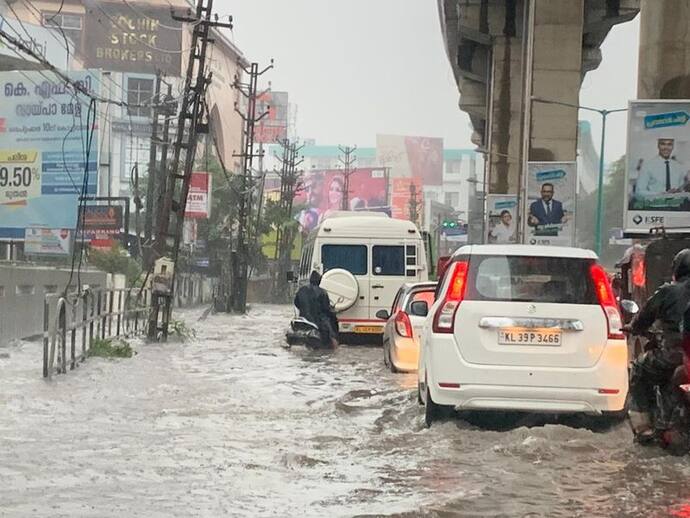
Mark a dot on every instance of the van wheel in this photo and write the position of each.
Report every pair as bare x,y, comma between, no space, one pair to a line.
432,411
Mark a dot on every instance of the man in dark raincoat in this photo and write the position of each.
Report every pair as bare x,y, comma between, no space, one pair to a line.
313,304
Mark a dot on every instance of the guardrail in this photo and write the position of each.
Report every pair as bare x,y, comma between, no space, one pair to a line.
71,323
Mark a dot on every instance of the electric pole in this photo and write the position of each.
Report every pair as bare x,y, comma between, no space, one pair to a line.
285,235
190,123
245,228
413,204
347,159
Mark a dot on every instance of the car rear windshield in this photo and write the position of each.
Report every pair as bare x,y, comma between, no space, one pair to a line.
557,280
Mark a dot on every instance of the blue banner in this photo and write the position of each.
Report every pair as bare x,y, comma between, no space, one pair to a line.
43,139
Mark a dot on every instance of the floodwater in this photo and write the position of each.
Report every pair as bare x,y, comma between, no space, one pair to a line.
233,424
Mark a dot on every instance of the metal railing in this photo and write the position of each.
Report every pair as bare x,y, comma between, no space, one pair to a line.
71,323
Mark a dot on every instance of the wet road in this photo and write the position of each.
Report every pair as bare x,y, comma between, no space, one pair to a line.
232,424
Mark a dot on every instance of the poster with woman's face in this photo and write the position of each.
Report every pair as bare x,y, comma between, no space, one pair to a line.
324,191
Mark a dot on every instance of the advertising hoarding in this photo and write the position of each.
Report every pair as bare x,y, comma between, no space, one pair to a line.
323,192
42,157
658,166
412,157
549,212
101,222
121,39
47,241
199,196
502,218
273,127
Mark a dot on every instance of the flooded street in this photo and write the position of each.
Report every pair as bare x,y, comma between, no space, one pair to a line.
232,424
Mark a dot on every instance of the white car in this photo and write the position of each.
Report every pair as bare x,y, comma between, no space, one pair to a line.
523,328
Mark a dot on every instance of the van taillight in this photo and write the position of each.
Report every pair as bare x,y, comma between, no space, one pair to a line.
403,326
444,319
606,298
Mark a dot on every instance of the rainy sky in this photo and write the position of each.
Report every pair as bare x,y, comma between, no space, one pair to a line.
364,67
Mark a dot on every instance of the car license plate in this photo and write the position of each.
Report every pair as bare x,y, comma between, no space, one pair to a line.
524,336
369,330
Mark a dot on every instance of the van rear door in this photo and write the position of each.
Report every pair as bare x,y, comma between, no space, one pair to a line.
389,271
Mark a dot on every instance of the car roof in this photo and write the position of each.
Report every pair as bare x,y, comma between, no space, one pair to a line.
409,286
526,250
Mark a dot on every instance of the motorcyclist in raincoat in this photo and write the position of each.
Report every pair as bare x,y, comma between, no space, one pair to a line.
313,304
665,308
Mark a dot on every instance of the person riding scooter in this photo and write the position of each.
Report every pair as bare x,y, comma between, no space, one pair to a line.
314,305
656,366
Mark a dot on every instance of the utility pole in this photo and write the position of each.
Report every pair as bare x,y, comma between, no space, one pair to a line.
289,186
347,159
170,218
413,204
248,186
148,224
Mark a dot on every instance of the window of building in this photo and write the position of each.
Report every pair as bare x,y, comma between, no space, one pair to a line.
70,24
454,166
139,91
136,152
452,199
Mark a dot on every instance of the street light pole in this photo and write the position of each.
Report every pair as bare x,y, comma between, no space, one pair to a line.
600,183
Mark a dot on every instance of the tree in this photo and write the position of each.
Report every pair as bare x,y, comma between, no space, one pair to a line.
612,217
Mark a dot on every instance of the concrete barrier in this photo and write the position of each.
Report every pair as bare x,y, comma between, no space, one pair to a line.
23,288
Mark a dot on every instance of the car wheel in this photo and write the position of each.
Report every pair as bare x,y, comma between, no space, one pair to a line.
385,354
391,365
432,411
419,394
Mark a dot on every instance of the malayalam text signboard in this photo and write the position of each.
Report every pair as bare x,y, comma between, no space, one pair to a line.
502,218
43,128
119,38
549,213
658,166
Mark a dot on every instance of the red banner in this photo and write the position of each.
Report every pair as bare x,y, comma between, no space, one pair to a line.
199,196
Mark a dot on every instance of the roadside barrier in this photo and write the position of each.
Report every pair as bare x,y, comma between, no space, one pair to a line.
72,322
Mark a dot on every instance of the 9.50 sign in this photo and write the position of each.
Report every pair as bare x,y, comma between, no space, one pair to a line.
20,176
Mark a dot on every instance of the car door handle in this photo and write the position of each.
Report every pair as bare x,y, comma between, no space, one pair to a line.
377,286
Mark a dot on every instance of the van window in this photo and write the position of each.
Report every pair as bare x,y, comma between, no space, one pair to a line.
352,258
558,280
388,260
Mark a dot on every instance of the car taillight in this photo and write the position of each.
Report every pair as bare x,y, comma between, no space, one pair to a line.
402,325
444,319
602,286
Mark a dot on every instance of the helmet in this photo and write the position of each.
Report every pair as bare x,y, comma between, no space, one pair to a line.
681,264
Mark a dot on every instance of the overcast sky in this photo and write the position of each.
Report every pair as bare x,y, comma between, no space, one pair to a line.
363,67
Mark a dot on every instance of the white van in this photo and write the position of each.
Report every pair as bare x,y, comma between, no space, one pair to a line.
364,257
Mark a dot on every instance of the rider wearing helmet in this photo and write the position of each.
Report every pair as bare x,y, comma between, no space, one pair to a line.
665,308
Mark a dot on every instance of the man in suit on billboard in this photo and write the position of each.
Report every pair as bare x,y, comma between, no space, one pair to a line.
546,211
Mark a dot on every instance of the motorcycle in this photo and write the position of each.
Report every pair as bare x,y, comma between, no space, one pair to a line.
670,412
307,333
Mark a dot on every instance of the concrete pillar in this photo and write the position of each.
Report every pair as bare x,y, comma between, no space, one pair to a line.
664,66
556,75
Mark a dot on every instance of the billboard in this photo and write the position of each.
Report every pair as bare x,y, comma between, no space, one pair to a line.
412,157
549,212
502,218
42,156
323,192
406,197
199,196
47,241
658,166
100,222
272,127
119,38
